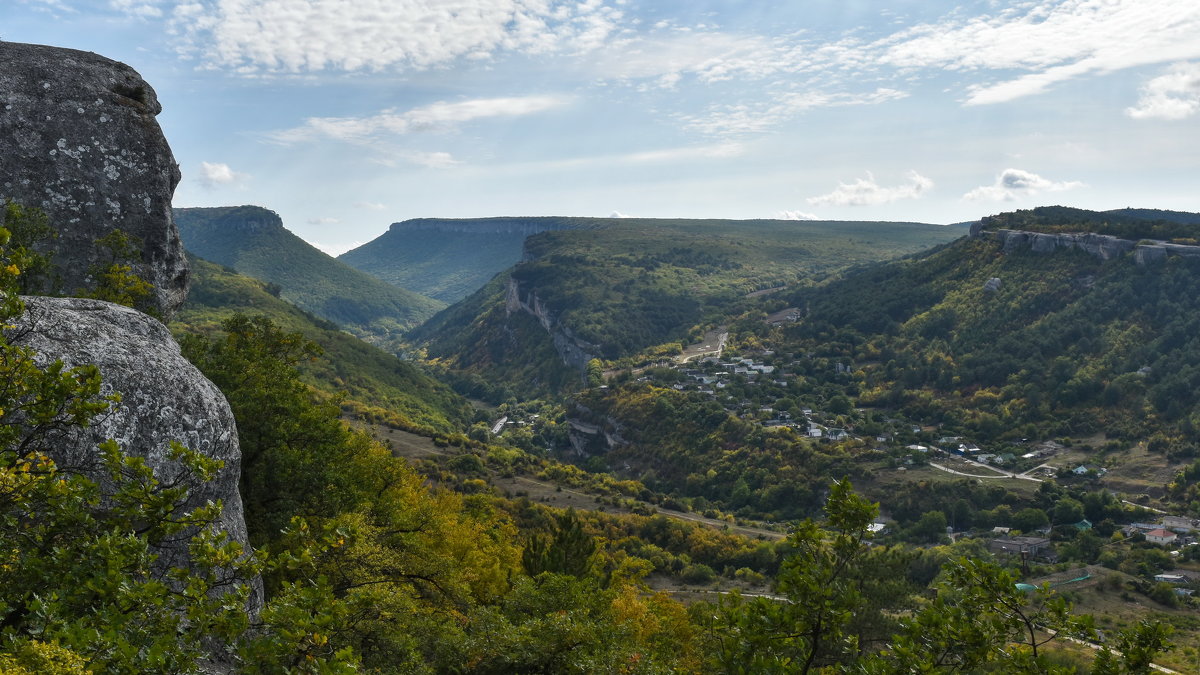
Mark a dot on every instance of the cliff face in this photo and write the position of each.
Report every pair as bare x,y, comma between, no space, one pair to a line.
574,351
1102,246
163,398
81,142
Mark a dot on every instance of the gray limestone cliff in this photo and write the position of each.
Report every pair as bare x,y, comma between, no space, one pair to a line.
1102,246
574,351
81,142
164,398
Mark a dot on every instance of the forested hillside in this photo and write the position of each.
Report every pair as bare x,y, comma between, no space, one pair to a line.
253,241
634,284
376,382
1010,343
1134,224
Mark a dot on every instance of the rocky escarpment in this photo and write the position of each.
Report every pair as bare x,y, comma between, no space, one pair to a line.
1102,246
81,142
163,399
574,351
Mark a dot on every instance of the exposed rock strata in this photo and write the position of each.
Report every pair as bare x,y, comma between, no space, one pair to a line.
81,142
574,351
1102,246
163,398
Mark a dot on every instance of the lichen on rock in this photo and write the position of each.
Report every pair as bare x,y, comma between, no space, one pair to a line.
164,398
82,144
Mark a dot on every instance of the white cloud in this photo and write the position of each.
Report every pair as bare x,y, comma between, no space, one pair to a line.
796,215
51,6
866,192
717,151
727,120
437,116
1052,40
323,221
1172,96
138,8
370,206
708,56
295,36
618,214
1023,49
213,174
1014,183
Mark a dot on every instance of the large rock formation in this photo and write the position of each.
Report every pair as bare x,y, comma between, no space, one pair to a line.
81,142
1102,246
163,399
573,350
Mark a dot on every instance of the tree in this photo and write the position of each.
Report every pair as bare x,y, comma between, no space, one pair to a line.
837,588
1067,511
80,588
1135,649
569,550
980,620
1030,519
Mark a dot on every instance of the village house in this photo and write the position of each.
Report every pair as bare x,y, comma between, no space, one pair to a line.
1161,537
1030,547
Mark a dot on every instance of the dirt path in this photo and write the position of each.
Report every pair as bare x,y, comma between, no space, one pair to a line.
996,473
413,446
713,343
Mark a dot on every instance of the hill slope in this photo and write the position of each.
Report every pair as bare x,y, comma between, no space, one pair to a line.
450,258
1007,341
253,241
374,380
623,286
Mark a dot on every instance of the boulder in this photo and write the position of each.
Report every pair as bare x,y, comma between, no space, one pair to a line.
163,398
81,142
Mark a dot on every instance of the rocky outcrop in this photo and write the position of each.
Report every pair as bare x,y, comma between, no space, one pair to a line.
81,142
1102,246
574,351
163,399
1149,255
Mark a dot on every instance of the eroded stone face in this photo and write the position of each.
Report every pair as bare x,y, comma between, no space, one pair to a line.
81,142
164,398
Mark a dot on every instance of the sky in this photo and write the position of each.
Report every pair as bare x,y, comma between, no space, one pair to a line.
347,115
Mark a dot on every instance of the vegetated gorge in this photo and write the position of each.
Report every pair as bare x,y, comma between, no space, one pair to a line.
576,445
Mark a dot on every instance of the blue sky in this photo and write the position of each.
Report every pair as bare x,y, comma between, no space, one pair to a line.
347,115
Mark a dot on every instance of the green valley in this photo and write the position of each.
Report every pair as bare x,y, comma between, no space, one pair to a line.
622,286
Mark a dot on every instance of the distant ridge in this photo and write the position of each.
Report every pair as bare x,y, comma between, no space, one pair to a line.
253,241
416,254
1182,217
